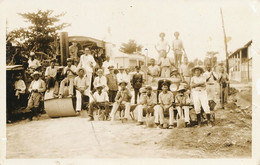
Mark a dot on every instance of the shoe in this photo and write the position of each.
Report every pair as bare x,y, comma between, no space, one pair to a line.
139,123
124,120
47,90
199,120
170,127
55,96
77,112
161,126
60,96
90,119
70,96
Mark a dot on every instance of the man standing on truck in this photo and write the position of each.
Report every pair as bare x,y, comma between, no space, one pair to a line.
88,62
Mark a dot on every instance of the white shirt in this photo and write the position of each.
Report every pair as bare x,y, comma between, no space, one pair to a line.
52,72
36,85
177,44
86,61
162,45
122,77
100,81
207,75
33,64
81,82
106,64
69,73
102,97
154,70
19,84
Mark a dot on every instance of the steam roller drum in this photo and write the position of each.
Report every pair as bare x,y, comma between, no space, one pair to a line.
55,107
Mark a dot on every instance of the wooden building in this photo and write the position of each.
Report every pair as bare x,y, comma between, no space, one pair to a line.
240,64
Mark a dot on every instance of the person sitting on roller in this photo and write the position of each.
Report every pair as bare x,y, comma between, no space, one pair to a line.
99,99
123,97
81,86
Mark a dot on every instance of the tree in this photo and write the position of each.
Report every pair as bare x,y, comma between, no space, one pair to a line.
211,58
130,47
41,34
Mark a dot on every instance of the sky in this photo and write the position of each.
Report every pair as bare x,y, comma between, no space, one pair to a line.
199,23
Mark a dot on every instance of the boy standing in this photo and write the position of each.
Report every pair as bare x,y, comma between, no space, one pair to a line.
165,64
112,84
166,100
185,71
36,89
162,45
123,97
81,86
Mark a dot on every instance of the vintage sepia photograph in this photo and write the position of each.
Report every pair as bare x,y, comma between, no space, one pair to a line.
128,79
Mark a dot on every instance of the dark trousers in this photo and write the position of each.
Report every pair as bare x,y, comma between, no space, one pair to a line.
99,105
136,93
112,95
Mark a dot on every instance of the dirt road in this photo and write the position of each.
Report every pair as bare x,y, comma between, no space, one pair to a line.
75,137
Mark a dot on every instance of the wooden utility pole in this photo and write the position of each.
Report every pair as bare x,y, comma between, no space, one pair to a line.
225,41
64,47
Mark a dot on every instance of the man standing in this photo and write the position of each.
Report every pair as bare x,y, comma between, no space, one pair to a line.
36,89
112,84
153,71
106,64
73,51
178,49
211,82
137,82
88,62
162,45
165,64
185,71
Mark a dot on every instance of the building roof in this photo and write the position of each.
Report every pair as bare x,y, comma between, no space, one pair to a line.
100,43
245,46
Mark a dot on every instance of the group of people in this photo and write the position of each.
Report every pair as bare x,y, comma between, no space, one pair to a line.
112,86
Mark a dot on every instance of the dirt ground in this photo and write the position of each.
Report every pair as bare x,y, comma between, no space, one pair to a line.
75,137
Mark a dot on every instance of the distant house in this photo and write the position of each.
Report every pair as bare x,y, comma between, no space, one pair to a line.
240,64
129,60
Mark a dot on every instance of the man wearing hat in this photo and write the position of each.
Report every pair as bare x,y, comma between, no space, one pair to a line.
70,73
98,99
50,76
33,63
36,88
121,76
182,101
166,100
162,45
146,103
199,94
165,64
112,84
81,84
123,97
88,62
137,82
73,51
100,80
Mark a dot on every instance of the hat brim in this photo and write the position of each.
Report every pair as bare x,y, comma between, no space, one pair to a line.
123,83
200,68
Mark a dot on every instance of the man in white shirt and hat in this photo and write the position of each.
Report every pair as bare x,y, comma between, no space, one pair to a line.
33,63
88,62
36,89
178,49
162,45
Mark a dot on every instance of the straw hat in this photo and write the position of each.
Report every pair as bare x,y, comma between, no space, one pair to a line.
99,86
36,73
69,60
197,67
123,82
32,54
